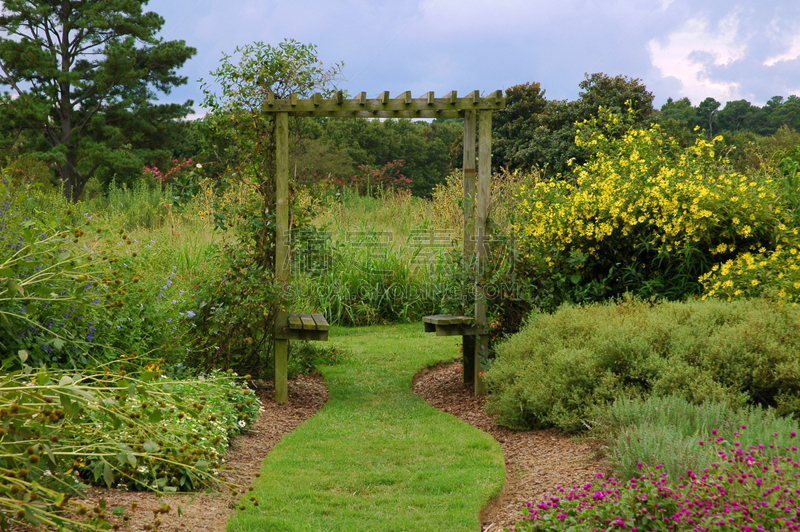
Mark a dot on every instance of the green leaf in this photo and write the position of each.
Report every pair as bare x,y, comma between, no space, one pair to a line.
118,510
575,278
201,465
155,416
66,380
23,355
147,376
6,272
42,378
170,489
108,474
150,446
122,383
58,343
50,454
70,407
14,288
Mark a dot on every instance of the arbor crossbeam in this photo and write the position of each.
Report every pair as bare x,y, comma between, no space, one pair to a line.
403,106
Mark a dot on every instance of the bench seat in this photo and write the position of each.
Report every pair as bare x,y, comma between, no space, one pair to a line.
299,326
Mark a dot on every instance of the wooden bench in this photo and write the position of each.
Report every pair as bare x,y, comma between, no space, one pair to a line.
296,326
464,326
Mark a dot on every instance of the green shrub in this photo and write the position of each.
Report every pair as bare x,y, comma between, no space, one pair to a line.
665,431
646,216
305,357
137,430
559,366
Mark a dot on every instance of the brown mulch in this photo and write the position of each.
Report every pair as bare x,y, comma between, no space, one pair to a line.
537,461
211,511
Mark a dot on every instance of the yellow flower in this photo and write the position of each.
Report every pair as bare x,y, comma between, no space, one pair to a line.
754,282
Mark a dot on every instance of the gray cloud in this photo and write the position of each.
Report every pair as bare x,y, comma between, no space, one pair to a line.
677,47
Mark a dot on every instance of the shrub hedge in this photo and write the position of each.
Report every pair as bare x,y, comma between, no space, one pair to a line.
561,365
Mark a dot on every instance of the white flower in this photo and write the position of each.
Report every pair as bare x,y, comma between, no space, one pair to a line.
242,423
199,165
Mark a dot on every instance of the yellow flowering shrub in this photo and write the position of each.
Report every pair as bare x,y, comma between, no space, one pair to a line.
751,274
645,215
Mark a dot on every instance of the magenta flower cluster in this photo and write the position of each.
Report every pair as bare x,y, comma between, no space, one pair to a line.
166,177
751,489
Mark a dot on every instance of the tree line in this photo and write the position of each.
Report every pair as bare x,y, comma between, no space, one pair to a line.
83,81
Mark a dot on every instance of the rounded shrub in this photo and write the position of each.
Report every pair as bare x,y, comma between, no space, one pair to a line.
561,365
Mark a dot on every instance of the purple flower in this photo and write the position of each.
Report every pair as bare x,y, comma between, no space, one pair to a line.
190,314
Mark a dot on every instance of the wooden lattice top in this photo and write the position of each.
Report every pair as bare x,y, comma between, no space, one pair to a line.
403,106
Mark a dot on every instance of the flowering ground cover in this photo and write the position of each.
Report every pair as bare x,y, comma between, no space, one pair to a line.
753,488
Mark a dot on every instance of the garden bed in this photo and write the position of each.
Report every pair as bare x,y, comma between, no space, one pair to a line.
537,461
211,511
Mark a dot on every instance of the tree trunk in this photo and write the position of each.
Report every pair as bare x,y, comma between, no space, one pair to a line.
73,181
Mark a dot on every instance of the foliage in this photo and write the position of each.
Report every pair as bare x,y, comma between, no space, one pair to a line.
236,315
424,148
644,215
561,365
84,76
307,357
734,116
80,290
246,133
535,133
746,488
167,435
509,292
376,181
664,430
184,177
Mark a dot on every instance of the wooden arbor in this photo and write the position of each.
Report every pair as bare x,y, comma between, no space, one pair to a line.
477,113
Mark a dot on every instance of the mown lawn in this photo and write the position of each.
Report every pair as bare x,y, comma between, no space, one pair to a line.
377,457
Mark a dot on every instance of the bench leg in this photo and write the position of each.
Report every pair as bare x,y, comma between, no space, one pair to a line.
468,358
281,371
482,348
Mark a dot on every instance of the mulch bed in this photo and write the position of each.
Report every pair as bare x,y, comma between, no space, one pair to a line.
537,461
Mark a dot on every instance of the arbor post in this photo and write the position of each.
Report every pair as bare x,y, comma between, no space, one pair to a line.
484,196
468,205
281,247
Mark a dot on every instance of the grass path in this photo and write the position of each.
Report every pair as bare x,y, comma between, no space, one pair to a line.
377,457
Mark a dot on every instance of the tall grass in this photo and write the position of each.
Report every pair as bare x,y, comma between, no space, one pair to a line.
374,260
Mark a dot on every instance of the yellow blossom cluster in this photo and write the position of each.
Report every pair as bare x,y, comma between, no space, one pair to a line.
643,203
750,274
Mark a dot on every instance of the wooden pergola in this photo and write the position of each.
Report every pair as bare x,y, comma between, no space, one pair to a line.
476,110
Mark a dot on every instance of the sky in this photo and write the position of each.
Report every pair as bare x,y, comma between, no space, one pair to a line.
725,49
